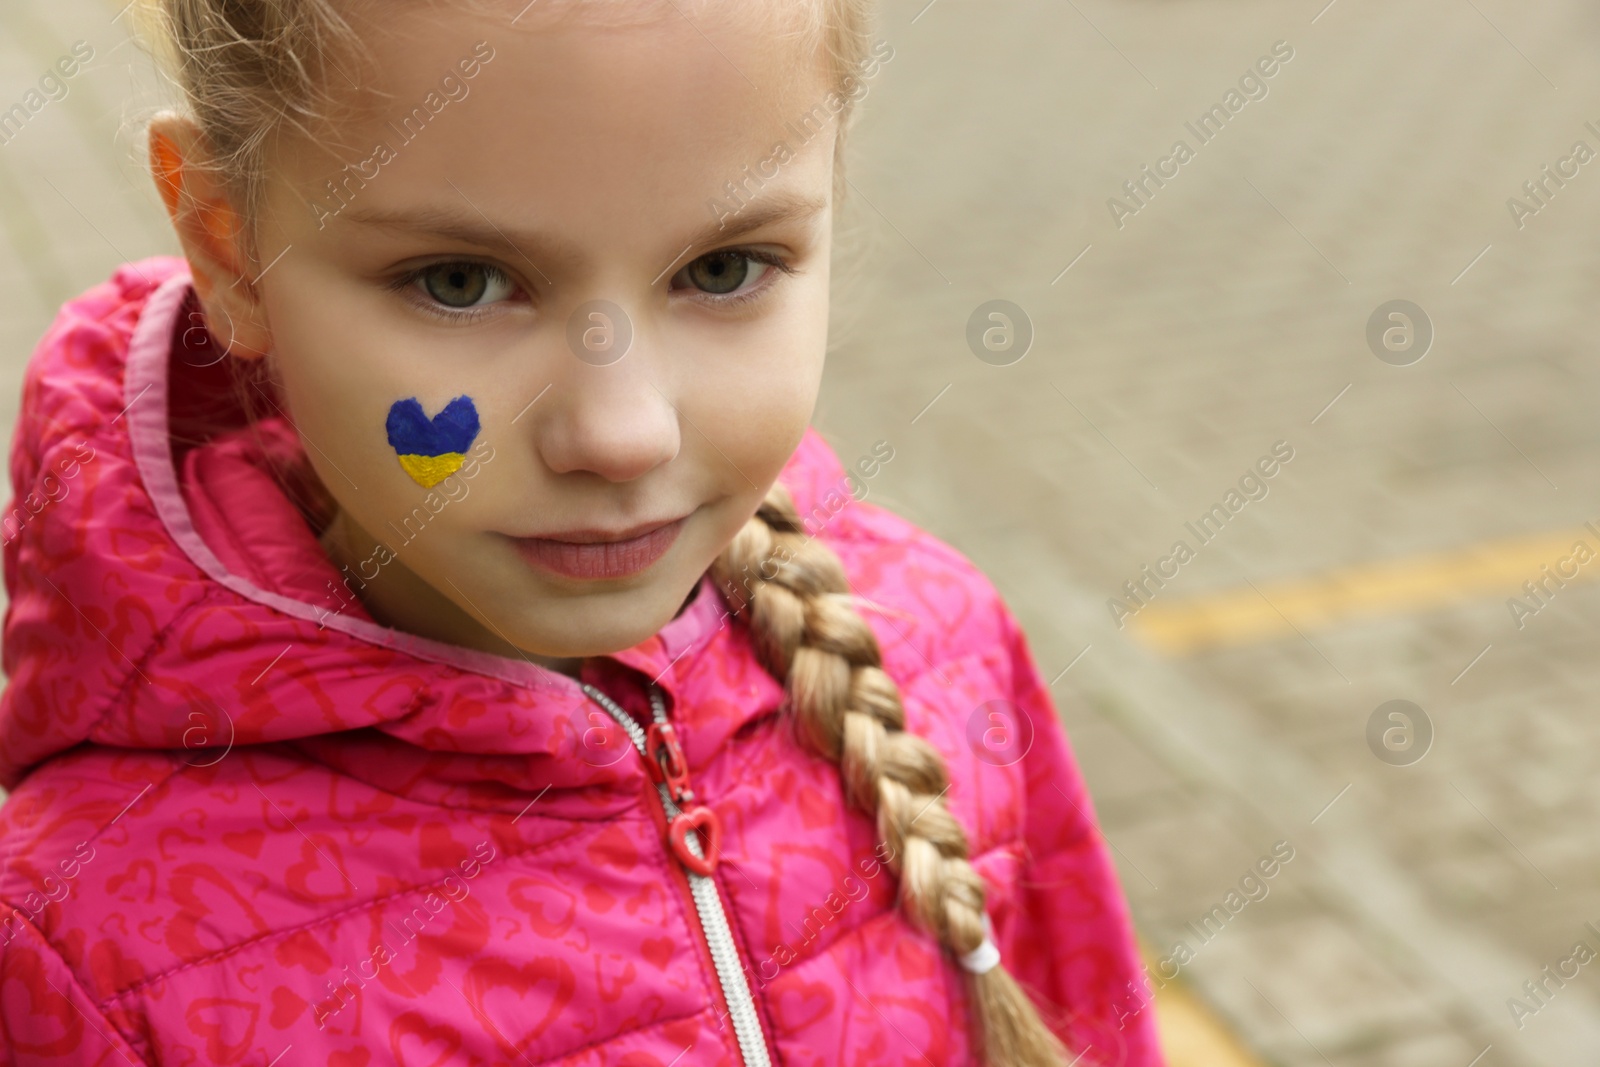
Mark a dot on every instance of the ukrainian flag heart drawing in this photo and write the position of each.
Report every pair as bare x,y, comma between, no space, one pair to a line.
431,450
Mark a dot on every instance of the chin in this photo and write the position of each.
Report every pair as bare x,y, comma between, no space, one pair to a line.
596,629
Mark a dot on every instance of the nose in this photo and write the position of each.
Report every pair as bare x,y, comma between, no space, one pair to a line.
608,420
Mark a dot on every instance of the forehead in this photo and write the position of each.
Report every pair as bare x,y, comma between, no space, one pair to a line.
601,115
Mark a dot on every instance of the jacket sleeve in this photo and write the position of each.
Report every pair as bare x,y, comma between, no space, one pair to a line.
1070,941
46,1017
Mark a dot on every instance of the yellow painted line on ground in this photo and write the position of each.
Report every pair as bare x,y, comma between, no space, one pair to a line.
1419,583
1191,1036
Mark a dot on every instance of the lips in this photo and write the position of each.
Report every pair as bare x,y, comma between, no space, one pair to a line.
592,555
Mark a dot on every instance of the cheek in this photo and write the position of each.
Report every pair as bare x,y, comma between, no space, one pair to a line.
757,410
758,385
339,448
342,376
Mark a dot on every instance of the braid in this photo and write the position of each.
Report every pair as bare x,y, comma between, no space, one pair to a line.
809,635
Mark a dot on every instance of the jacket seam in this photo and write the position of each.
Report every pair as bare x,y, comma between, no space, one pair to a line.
286,932
6,897
136,669
66,969
597,1042
90,840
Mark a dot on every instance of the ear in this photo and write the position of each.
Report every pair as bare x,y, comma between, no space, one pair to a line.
212,233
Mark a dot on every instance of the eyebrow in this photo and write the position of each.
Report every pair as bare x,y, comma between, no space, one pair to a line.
471,226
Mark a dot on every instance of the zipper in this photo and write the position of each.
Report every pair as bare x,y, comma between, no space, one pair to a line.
687,821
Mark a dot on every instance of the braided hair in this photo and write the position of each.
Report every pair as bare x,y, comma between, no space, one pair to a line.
846,708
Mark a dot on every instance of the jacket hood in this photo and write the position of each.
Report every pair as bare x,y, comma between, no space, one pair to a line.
128,628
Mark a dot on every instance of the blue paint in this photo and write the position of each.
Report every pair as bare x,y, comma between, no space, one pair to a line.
412,433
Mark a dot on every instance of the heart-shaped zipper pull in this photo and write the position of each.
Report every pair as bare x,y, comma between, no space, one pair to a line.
703,821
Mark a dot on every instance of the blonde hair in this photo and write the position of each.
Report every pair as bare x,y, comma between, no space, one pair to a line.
250,69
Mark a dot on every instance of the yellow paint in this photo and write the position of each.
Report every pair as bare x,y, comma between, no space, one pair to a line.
1419,583
429,471
1191,1036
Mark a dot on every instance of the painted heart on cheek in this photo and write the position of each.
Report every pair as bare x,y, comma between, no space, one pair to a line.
431,450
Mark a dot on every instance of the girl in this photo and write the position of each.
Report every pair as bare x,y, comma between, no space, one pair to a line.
446,642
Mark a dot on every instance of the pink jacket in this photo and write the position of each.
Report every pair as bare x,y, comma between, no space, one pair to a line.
247,822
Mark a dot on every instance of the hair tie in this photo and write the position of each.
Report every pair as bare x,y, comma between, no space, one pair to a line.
986,956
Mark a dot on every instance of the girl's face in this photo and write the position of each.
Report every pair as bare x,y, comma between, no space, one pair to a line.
538,217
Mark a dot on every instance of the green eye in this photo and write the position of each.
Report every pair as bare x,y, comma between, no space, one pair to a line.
719,272
464,285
